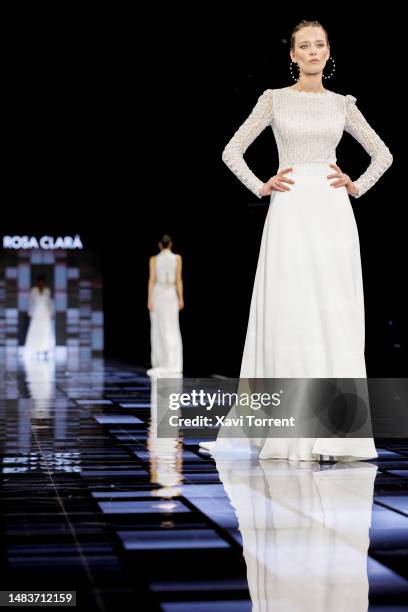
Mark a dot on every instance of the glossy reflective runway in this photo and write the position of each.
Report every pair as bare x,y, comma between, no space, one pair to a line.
93,501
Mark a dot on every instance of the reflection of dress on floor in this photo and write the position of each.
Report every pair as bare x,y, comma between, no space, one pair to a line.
307,310
303,527
40,333
165,336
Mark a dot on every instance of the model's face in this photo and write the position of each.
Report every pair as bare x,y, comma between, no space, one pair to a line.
311,51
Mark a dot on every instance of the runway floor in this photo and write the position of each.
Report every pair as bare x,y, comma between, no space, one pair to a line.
93,501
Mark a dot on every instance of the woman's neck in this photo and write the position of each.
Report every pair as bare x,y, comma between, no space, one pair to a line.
310,85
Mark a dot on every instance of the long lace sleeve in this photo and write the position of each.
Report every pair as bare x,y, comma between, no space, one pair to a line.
381,157
233,154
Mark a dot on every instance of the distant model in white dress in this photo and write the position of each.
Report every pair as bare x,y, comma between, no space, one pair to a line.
307,310
39,340
165,300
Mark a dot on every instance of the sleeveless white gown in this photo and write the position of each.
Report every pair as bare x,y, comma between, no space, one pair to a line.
165,335
307,310
40,337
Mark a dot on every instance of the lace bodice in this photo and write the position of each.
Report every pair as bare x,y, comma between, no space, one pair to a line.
307,127
166,267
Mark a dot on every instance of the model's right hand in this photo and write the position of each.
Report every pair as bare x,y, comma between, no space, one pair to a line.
150,305
276,182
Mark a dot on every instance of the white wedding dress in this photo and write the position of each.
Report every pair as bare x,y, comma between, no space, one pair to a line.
40,336
307,309
165,335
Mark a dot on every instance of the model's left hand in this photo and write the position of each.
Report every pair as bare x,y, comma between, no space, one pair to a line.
343,180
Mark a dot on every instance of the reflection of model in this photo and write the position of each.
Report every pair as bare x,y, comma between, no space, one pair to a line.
307,310
40,378
165,453
39,336
165,299
305,532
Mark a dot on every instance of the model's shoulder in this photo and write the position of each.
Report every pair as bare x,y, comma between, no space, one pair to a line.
266,96
266,99
348,98
269,93
351,99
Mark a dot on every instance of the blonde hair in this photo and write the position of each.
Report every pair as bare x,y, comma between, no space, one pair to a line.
304,24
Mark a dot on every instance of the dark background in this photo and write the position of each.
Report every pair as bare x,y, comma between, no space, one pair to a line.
114,125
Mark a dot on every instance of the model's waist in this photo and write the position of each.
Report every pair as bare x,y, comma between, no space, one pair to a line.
165,284
319,168
313,164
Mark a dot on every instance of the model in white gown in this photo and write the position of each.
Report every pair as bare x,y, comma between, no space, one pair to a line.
165,303
40,332
307,309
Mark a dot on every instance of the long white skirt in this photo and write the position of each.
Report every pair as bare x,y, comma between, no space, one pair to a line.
40,335
307,310
165,336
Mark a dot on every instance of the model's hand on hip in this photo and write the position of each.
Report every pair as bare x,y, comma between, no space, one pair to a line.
343,180
276,182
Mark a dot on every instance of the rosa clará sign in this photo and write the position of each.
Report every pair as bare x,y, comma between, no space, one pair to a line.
43,242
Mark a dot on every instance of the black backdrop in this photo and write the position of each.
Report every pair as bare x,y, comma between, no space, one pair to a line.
114,128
